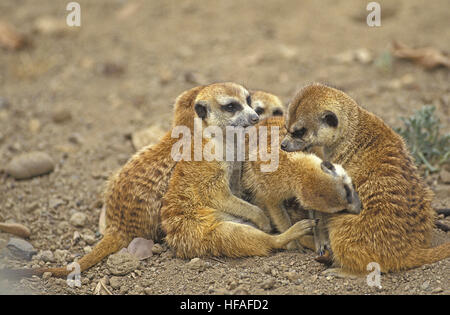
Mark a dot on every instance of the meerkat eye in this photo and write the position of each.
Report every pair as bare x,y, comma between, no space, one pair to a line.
277,112
259,110
232,107
249,100
330,119
348,194
299,133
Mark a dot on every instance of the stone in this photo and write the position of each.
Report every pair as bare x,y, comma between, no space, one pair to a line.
115,282
444,175
46,256
197,264
21,249
121,264
268,284
78,219
29,165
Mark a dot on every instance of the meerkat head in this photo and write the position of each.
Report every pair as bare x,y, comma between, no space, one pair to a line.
317,116
266,105
225,104
337,191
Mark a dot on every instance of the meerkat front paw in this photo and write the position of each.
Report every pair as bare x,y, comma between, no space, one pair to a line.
304,227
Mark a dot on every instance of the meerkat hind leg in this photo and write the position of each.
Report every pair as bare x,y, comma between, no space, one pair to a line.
240,240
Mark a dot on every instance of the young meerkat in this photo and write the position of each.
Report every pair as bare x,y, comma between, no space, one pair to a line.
315,184
200,214
267,105
133,196
394,228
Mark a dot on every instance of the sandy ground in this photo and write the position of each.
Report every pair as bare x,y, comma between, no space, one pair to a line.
78,95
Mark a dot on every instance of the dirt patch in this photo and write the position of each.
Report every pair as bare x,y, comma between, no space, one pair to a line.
77,95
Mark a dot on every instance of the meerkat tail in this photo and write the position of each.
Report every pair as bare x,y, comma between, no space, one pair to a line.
110,243
424,256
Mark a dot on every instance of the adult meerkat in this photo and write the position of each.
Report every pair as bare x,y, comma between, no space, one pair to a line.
133,196
200,214
316,184
394,228
267,105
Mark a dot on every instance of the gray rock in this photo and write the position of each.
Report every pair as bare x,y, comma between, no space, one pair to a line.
120,264
29,165
78,219
21,248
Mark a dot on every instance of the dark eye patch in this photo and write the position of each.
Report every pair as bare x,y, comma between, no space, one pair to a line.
259,110
249,100
232,107
277,112
330,119
299,133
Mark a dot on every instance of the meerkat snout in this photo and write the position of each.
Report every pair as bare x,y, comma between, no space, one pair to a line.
254,118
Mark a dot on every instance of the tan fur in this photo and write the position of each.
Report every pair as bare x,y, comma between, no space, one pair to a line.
200,214
267,105
299,175
133,196
394,228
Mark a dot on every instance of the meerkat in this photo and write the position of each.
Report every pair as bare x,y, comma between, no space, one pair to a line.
394,228
316,184
267,105
200,214
133,196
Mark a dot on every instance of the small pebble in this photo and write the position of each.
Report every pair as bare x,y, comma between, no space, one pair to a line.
115,282
46,275
197,264
268,284
78,219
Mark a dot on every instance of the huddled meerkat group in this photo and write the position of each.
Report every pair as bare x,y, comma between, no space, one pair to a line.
358,193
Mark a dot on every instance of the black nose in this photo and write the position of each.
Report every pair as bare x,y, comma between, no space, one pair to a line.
254,119
283,145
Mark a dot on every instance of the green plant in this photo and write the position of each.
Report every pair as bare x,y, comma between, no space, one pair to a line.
421,132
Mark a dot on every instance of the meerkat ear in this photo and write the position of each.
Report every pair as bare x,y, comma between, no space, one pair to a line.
201,111
328,167
330,119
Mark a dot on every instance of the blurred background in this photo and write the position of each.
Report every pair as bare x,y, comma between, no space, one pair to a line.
80,93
